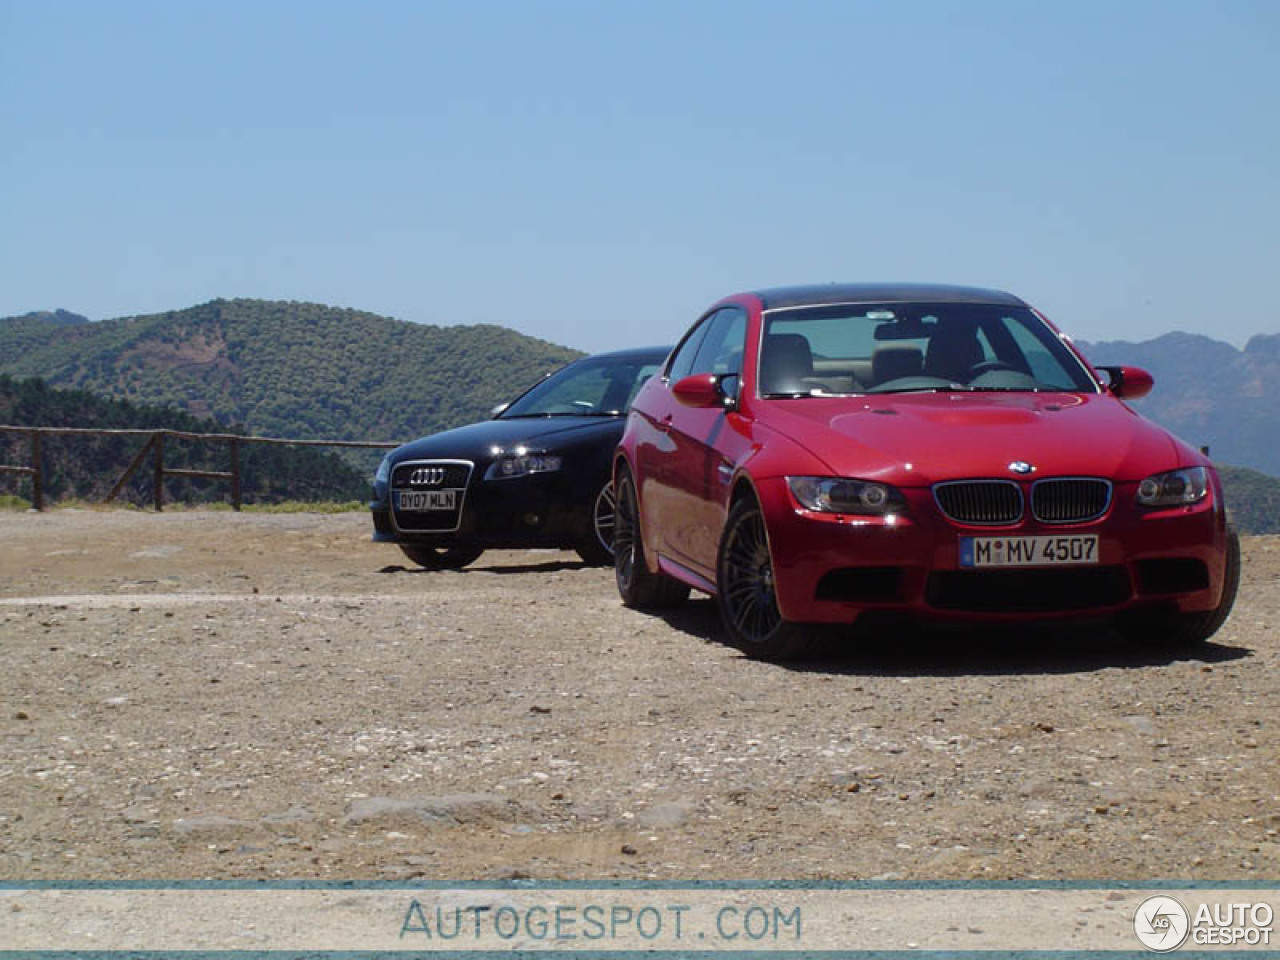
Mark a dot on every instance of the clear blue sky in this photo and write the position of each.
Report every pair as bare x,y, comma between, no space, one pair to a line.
596,173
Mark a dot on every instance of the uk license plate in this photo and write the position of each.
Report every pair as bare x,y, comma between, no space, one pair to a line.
1028,551
419,501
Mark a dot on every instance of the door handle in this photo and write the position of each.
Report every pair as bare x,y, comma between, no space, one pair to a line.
664,424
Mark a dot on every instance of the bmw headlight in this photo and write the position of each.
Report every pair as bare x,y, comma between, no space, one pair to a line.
508,468
841,495
1175,488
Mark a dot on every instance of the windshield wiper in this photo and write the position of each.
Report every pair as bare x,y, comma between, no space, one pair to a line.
955,388
584,413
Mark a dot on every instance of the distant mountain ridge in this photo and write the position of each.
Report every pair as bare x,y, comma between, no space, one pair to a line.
1209,393
297,370
58,317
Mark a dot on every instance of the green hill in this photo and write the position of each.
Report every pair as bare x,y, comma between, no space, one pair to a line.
297,370
86,468
1253,499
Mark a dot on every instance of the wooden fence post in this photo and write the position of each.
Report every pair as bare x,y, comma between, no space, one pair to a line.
158,461
128,471
37,472
154,445
235,473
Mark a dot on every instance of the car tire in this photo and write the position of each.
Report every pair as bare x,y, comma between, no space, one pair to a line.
441,558
638,587
597,549
745,590
1190,629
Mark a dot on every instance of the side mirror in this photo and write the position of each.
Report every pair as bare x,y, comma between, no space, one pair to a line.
1128,383
701,390
499,408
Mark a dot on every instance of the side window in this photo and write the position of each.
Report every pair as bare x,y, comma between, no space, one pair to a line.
682,361
721,350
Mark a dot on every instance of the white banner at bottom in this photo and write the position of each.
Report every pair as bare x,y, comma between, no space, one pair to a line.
685,919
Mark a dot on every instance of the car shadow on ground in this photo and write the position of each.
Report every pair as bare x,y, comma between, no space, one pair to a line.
549,566
937,651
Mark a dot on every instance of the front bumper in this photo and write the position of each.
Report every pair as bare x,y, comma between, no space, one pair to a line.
832,569
542,510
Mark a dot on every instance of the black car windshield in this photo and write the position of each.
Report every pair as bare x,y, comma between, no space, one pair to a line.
597,386
914,348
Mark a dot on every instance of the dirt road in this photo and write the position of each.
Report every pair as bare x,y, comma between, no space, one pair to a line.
204,694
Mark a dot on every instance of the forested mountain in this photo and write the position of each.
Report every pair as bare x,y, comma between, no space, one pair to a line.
61,318
297,370
1210,393
86,468
1253,500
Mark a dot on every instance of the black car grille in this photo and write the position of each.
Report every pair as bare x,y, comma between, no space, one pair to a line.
1070,500
983,502
453,475
429,475
1028,591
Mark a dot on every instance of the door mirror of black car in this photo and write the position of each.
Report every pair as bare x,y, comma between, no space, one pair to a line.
702,390
497,411
1128,383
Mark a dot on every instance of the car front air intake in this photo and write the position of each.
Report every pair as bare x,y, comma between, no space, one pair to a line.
981,502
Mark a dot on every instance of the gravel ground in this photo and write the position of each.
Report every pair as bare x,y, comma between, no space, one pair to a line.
204,694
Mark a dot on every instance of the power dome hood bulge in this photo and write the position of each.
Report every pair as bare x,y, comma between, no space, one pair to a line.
944,436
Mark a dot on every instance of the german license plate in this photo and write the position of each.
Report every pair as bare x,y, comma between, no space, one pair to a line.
423,500
1028,551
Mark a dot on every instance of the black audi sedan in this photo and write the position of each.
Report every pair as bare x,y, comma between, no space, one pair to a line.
536,475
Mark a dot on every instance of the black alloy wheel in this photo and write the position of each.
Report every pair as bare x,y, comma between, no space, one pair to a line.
638,587
746,590
597,548
440,558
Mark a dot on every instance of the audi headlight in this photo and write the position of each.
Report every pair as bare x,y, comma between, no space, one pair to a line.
383,473
508,468
840,495
1175,488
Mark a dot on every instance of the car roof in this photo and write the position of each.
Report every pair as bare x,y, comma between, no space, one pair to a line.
632,352
829,293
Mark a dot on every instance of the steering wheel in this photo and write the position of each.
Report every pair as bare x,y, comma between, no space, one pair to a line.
991,366
584,403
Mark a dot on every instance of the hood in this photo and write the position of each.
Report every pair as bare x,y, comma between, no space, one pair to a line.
922,438
477,440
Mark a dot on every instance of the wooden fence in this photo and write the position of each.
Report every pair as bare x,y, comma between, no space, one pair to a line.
154,445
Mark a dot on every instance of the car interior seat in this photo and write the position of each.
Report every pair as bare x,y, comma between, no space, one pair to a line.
892,363
786,363
952,353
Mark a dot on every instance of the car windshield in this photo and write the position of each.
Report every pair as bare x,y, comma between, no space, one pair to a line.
913,347
594,387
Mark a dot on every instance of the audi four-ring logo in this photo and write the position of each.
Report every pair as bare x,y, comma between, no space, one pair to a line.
427,477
